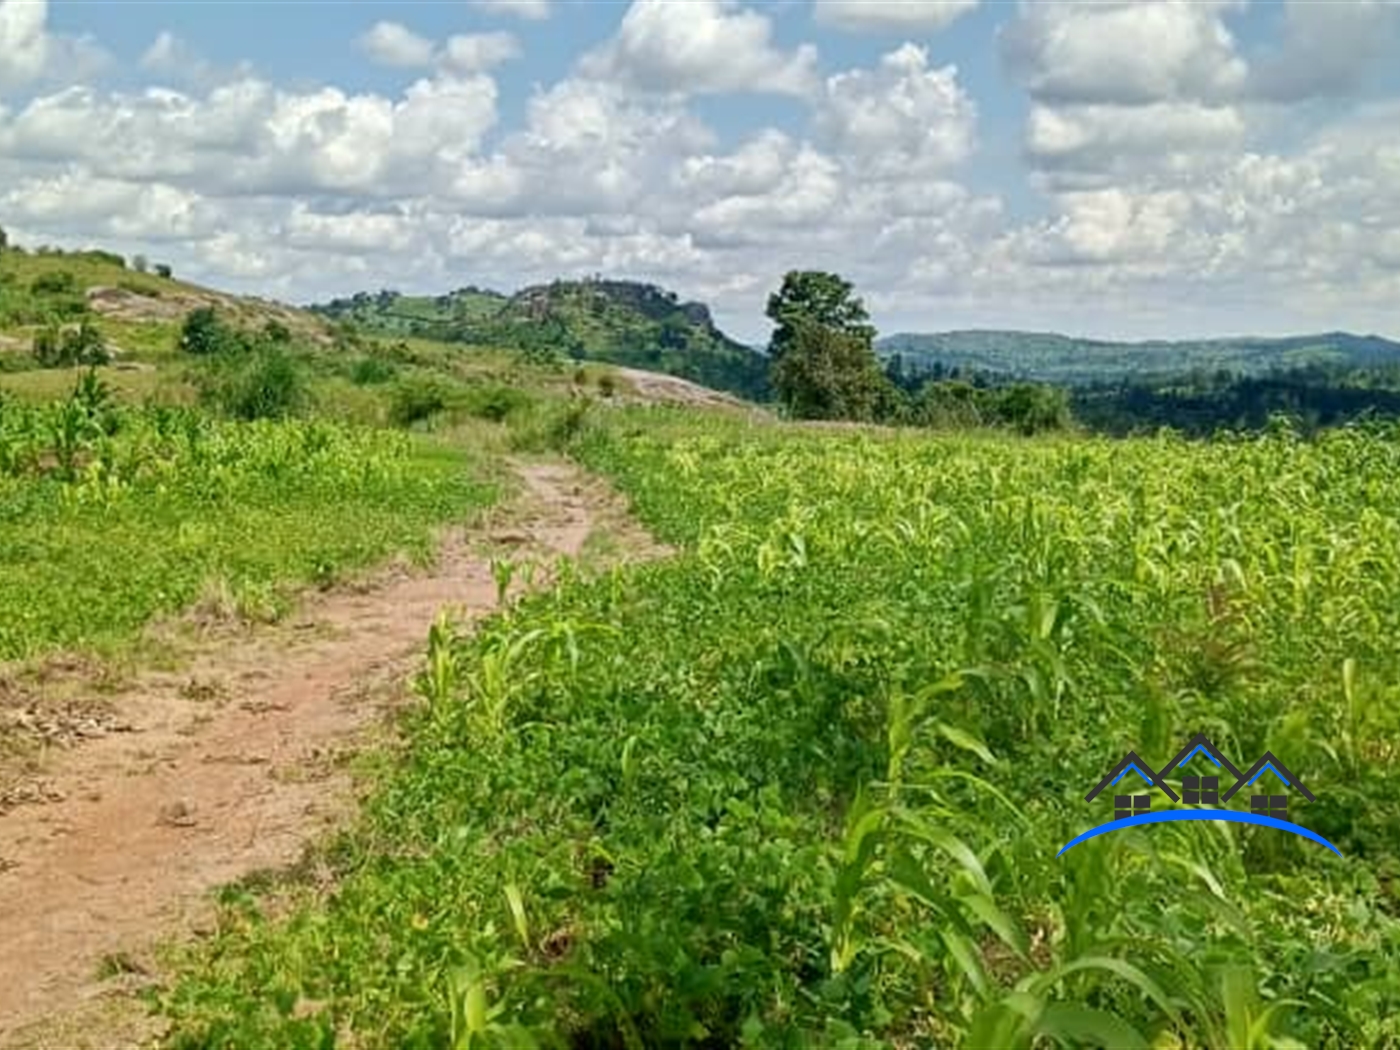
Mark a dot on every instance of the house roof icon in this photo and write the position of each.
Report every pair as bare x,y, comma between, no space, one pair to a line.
1200,743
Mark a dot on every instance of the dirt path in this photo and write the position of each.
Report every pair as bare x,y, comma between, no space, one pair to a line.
236,775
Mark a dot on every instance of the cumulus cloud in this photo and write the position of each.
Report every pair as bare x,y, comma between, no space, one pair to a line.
890,16
479,52
700,47
1124,52
249,138
394,45
29,52
901,116
1160,186
1329,49
530,10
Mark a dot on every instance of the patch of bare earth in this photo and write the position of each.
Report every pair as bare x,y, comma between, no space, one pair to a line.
659,388
178,782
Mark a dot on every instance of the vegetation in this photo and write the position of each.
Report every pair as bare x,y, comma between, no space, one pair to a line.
620,322
804,784
1049,358
113,514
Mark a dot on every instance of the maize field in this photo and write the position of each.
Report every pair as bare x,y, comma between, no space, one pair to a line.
804,783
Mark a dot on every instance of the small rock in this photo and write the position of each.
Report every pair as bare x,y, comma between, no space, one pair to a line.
177,814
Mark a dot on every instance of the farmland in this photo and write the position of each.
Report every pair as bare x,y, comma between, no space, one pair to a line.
113,514
804,783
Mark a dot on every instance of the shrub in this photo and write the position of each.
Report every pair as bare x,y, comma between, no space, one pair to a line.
56,348
204,333
55,282
268,384
368,371
496,403
163,270
607,385
415,400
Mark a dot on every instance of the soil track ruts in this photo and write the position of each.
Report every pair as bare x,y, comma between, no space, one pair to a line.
203,791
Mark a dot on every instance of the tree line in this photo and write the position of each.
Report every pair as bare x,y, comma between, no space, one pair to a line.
823,365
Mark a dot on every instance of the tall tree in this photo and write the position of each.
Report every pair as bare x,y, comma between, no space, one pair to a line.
827,373
820,298
822,356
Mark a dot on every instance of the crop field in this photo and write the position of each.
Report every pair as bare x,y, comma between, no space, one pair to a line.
113,514
804,784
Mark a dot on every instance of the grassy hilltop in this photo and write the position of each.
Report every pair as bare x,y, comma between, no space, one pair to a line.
621,322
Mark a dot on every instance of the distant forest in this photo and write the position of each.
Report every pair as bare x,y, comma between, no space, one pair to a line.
1198,403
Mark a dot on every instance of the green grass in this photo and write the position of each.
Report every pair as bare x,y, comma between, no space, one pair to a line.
113,515
803,785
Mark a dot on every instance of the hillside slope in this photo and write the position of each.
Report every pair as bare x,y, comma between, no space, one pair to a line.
626,323
1049,357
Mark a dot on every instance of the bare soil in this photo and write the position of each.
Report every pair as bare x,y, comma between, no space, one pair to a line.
184,781
659,388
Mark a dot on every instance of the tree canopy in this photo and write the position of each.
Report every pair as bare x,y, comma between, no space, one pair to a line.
817,297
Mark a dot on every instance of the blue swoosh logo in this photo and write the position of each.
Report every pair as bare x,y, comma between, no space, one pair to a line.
1161,816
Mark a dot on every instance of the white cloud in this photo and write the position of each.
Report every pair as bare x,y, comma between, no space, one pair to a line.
29,52
394,45
531,10
897,16
174,60
479,52
900,119
23,42
248,138
1329,49
1124,52
700,47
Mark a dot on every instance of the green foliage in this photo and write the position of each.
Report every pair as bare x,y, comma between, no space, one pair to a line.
205,334
416,399
164,270
803,785
826,373
267,382
56,347
823,365
110,515
814,297
54,282
371,370
1050,358
621,322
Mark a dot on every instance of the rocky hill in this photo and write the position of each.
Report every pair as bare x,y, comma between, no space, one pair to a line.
626,323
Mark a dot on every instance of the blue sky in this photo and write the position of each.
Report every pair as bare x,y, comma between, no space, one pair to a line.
1153,168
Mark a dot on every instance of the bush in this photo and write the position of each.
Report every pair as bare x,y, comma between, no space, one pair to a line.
55,282
84,345
415,400
163,270
607,385
496,403
204,334
268,384
369,371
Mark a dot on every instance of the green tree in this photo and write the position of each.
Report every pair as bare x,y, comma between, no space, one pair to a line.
820,298
827,373
204,333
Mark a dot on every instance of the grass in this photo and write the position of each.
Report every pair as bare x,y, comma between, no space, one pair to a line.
803,785
113,515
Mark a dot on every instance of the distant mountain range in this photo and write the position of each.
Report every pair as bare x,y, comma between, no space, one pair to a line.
622,322
1051,358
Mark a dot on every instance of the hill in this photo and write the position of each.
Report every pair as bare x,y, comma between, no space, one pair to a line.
1052,358
628,323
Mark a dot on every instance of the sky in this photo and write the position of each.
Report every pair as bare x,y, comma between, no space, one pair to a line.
1111,169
